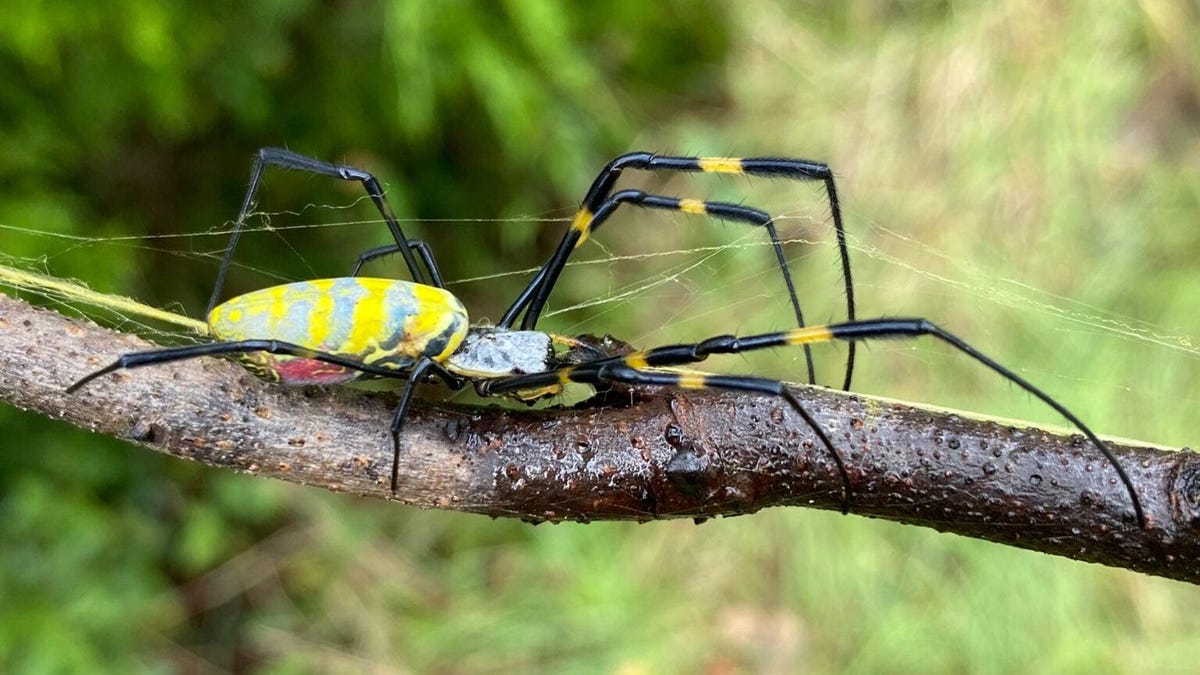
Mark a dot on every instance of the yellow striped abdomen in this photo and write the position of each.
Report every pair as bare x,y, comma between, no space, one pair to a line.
383,322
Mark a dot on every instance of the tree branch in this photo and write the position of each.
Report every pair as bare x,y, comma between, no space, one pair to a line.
671,454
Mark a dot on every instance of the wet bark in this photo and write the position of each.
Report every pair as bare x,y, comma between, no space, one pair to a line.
667,454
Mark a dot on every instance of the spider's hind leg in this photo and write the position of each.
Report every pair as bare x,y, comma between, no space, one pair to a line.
286,159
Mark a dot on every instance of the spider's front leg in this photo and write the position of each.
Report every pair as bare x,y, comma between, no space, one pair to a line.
600,197
640,368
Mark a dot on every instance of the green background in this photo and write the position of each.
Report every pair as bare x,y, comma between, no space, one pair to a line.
1026,174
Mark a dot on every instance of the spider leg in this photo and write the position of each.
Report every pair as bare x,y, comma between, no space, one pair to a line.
290,160
628,375
681,354
771,167
630,370
912,328
538,291
172,354
422,249
414,374
420,369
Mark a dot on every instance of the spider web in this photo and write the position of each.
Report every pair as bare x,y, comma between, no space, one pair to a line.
693,292
35,275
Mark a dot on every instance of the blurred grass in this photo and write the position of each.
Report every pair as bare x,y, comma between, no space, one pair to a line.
1025,174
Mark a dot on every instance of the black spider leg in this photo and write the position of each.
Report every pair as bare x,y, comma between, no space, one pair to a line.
631,369
422,249
414,374
795,169
287,159
912,328
536,293
617,367
423,366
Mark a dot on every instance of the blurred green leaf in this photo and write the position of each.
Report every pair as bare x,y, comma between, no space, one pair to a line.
1026,174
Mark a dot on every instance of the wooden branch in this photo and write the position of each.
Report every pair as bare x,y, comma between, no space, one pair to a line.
672,454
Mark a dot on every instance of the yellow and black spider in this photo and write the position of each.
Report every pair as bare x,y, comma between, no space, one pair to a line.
330,331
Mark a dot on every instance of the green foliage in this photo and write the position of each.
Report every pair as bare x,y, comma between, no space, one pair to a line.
1024,174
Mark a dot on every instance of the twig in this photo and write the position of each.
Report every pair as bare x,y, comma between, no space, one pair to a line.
670,454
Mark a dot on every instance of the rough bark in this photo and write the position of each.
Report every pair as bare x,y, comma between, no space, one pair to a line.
670,454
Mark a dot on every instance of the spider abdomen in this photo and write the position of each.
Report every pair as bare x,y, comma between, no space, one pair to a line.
382,322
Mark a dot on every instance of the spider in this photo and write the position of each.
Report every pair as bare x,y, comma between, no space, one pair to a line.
330,331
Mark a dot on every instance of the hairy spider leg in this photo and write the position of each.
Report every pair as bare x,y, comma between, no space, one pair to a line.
771,167
287,159
632,368
413,374
536,294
